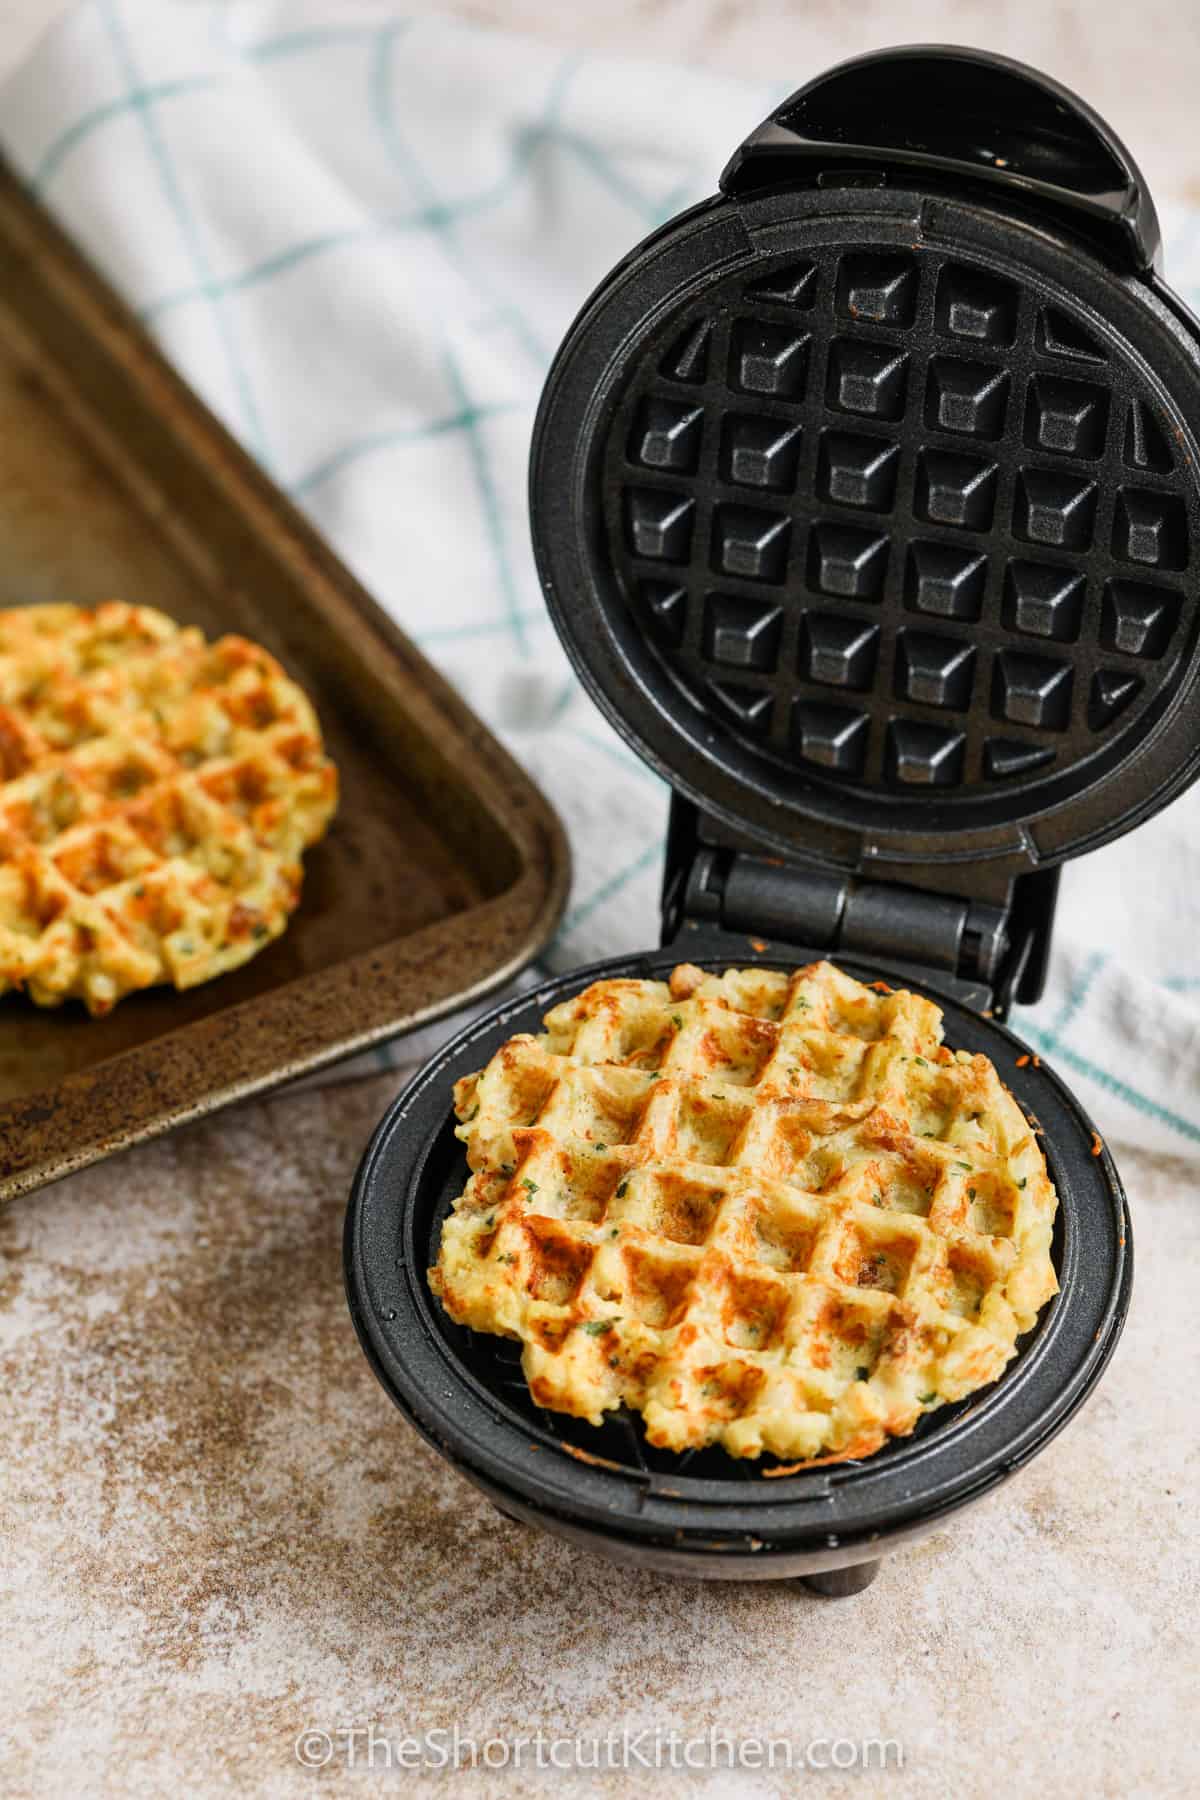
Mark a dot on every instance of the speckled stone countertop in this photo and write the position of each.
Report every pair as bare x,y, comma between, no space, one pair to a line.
218,1535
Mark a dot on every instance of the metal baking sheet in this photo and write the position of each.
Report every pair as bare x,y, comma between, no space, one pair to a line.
445,869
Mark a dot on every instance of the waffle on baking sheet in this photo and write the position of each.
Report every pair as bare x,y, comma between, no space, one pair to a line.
767,1211
156,795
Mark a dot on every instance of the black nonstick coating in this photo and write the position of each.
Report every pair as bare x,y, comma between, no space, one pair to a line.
866,516
465,1393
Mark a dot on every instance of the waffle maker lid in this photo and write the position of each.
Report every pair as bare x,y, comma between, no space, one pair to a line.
865,494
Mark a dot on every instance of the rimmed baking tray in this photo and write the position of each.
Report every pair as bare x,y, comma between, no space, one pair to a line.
445,870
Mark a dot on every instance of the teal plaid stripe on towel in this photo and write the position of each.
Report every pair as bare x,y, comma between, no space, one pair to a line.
360,235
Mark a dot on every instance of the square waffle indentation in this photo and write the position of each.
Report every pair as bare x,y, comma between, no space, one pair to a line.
831,737
750,543
879,1260
1066,417
956,489
878,289
743,634
934,670
837,651
658,524
1054,508
1043,600
857,471
681,1207
765,358
977,306
1137,618
864,378
657,1284
1032,690
754,1310
945,581
1150,528
666,435
760,452
966,397
922,755
847,560
785,1233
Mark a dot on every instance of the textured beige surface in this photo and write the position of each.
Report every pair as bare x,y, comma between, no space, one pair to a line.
216,1532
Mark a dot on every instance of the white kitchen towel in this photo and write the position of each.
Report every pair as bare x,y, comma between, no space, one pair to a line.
360,234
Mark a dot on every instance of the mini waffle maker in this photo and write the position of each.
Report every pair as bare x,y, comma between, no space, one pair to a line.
865,500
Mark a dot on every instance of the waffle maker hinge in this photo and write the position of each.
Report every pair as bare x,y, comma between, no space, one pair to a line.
986,954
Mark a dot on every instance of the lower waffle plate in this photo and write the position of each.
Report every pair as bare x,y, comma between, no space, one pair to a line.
608,1486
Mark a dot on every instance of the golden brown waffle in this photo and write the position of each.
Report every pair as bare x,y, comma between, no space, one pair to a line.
156,795
768,1211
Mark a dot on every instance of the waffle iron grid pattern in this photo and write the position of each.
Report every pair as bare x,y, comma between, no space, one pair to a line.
795,1271
156,794
909,523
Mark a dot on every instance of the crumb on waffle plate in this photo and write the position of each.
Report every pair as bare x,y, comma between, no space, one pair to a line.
767,1211
156,795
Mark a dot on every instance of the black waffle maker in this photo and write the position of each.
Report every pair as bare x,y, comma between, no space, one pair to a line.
864,496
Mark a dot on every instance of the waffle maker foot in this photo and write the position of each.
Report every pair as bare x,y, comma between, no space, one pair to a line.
839,1584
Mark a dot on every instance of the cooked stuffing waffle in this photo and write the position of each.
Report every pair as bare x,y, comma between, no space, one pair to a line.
156,795
766,1211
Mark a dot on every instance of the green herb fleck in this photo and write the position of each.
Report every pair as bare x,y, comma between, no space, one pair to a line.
862,1373
598,1327
969,1167
489,1222
970,1193
507,1170
260,931
802,1005
532,1186
622,1187
1022,1181
615,1232
921,1060
677,1021
926,1399
599,1147
506,1257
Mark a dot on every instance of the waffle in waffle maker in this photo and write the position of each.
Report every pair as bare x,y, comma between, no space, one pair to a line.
865,501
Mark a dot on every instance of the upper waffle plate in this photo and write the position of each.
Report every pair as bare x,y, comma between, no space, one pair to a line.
888,515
